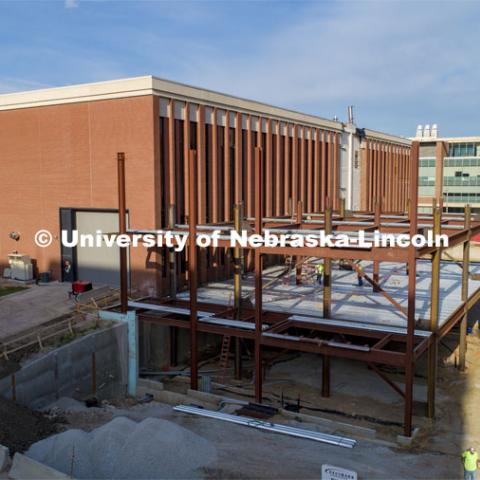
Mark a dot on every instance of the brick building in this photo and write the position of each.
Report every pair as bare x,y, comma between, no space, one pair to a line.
58,167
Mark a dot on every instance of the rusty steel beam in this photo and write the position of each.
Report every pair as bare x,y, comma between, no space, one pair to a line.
122,229
258,275
325,376
412,269
327,274
237,287
193,269
434,310
387,380
298,259
377,287
462,349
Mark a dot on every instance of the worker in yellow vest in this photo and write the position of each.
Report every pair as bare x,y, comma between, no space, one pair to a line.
360,275
319,270
470,464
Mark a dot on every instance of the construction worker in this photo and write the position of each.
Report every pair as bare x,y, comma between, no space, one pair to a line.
319,270
470,464
360,275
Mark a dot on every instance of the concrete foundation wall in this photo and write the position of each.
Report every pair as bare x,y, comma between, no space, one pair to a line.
67,371
155,345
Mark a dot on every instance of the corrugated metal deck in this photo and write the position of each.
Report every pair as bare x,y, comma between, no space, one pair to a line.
349,301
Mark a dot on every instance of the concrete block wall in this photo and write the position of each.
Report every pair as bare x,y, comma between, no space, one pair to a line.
67,370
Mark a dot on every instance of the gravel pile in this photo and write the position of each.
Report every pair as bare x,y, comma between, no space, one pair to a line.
124,449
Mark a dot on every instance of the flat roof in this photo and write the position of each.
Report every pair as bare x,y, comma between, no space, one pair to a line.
446,139
151,85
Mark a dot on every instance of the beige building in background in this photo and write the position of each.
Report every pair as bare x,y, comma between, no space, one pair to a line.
449,169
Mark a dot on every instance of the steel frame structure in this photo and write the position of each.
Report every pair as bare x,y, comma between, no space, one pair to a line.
374,346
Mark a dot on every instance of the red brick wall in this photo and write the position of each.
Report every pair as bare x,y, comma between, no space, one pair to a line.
65,156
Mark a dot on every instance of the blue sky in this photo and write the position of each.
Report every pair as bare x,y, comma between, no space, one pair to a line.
401,63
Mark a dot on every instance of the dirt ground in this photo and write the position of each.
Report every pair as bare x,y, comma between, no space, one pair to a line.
20,427
358,397
243,452
365,400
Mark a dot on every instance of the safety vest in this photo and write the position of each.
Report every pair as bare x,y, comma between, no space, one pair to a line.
470,461
319,268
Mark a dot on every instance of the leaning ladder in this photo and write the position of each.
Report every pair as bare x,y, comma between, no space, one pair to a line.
224,355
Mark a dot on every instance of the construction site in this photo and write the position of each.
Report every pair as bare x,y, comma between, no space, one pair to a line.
227,361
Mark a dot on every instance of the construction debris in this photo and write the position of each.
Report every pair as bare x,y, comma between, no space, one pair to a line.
20,427
271,427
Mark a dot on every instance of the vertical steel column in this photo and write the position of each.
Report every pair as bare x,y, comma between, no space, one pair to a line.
435,290
462,351
298,260
172,267
237,286
258,274
327,272
376,263
342,208
122,229
325,376
192,268
412,273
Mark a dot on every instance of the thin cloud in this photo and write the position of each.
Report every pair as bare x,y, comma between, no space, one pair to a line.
71,3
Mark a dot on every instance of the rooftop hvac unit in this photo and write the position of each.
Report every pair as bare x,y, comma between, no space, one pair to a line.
20,266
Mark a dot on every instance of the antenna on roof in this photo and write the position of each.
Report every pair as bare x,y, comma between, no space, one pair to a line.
350,114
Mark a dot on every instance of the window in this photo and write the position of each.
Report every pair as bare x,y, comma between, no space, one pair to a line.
462,150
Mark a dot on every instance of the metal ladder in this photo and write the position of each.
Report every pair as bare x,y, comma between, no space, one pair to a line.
224,355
